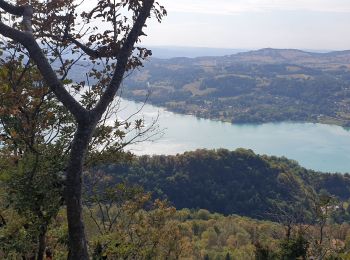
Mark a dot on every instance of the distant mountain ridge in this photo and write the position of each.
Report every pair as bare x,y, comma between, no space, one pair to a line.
275,55
293,56
167,52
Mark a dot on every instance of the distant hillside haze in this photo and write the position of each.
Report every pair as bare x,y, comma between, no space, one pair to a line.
167,52
267,85
293,56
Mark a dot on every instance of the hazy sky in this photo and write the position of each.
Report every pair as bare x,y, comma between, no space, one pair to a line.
303,24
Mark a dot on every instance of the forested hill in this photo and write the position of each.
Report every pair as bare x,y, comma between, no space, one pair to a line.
238,182
267,85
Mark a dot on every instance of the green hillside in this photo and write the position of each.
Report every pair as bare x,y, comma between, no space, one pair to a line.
267,85
238,182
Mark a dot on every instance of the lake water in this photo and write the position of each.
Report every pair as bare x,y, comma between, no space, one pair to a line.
315,146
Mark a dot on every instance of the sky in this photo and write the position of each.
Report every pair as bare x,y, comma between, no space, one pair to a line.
253,24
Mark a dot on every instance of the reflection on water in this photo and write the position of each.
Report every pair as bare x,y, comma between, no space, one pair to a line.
315,146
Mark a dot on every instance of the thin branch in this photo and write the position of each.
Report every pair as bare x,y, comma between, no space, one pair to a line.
79,112
123,58
25,11
95,220
12,9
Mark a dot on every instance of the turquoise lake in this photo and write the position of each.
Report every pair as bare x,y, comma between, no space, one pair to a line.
315,146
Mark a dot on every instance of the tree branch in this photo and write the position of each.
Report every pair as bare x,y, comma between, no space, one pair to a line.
87,50
25,11
90,52
12,9
27,40
123,58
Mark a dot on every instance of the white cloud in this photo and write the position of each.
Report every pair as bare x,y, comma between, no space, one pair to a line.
227,7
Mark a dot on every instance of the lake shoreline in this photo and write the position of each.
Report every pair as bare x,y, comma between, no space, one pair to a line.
322,120
320,147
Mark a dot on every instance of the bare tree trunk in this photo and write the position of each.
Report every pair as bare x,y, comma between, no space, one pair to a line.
289,231
77,240
42,244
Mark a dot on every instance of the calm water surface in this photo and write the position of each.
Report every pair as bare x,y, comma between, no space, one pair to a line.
315,146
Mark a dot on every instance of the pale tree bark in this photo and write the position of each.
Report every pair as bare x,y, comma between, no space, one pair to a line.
86,119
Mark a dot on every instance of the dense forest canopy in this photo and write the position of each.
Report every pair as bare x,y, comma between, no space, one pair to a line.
229,182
